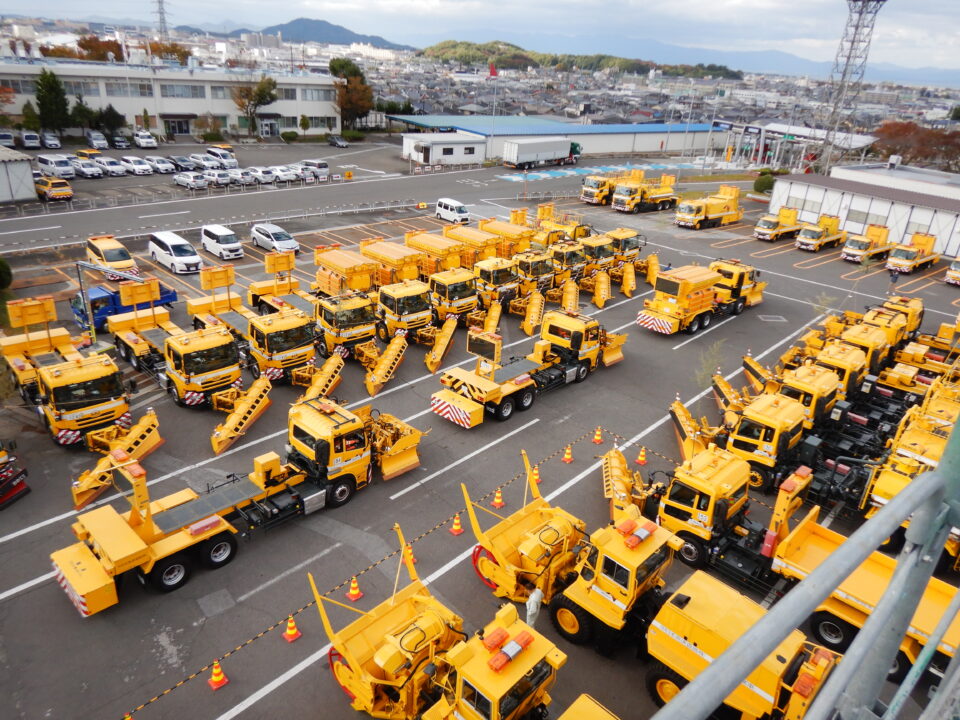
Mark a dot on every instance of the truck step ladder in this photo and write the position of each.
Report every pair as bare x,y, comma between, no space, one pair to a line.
534,315
601,289
320,382
441,345
386,365
137,442
244,409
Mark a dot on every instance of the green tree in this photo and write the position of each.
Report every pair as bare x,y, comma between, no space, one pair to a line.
304,123
82,115
250,98
764,183
6,274
346,68
145,119
955,113
31,120
109,120
354,99
52,104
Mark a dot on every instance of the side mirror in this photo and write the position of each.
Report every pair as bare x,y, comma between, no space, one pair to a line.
40,400
576,340
132,386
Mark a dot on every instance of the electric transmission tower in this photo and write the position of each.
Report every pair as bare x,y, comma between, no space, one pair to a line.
847,74
162,30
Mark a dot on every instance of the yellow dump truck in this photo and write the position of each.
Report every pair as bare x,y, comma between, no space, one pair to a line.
873,244
783,225
341,271
919,253
439,252
477,244
635,193
396,262
712,211
825,234
570,347
687,298
80,396
503,672
515,236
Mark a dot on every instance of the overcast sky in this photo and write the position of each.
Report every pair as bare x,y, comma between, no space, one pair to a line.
911,33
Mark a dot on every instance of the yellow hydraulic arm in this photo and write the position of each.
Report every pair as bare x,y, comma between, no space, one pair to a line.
441,345
243,407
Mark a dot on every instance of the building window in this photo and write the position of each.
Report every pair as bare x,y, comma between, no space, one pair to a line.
219,92
80,87
915,227
285,93
469,150
182,91
288,123
116,89
876,218
812,205
448,151
141,89
857,216
326,123
316,95
243,122
20,87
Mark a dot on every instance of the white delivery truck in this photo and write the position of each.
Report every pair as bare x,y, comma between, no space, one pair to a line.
527,153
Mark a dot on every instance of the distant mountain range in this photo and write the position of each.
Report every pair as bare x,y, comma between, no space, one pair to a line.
304,30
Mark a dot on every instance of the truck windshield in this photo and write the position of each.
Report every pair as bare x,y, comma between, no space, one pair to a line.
499,276
626,244
811,233
90,392
536,268
598,252
667,286
904,253
116,255
857,244
461,290
568,257
800,396
413,304
767,223
625,190
215,358
290,338
592,183
688,209
650,566
525,687
356,316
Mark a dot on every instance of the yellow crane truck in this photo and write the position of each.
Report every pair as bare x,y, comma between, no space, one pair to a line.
331,454
783,225
919,253
711,211
826,233
873,244
570,347
409,657
515,235
80,396
636,193
700,621
687,298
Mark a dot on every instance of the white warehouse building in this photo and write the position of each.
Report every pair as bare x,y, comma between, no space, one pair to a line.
454,148
905,199
175,97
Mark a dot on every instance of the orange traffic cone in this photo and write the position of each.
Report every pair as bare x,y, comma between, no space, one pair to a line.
291,633
642,457
354,593
408,553
456,528
498,499
217,678
568,455
536,474
597,436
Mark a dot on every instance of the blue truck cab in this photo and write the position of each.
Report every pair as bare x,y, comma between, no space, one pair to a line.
105,302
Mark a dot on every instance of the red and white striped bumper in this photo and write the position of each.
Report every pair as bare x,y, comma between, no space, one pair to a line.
125,421
273,373
655,323
78,602
69,437
452,413
191,397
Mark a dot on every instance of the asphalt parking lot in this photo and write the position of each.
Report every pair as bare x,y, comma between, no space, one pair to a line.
150,654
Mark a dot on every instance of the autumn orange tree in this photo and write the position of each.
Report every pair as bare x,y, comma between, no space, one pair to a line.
170,50
354,99
93,48
919,145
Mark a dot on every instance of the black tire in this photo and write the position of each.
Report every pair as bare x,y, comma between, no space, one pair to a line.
525,399
694,326
759,478
177,400
570,620
135,361
170,573
254,368
901,666
663,684
340,491
583,369
696,226
738,306
832,632
218,550
705,320
693,553
321,345
382,333
505,409
123,350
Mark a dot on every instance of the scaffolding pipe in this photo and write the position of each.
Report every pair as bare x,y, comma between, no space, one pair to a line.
710,688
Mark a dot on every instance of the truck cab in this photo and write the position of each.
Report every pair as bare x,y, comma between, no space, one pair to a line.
403,307
345,321
777,227
873,244
953,273
826,233
105,302
535,270
597,189
712,211
569,261
599,252
626,243
764,432
497,280
453,292
198,364
917,254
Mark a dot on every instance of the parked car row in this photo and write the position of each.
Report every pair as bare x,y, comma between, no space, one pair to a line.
177,255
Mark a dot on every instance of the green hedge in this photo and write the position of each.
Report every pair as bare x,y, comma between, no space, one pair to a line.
764,183
289,136
215,136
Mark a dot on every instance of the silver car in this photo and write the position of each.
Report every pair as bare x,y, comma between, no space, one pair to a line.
160,164
205,162
241,176
262,175
219,178
284,174
50,140
191,180
86,168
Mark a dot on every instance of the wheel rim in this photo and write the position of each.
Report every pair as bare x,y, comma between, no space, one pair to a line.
690,552
506,410
582,372
705,322
341,493
526,400
756,479
568,621
173,574
831,632
667,689
220,552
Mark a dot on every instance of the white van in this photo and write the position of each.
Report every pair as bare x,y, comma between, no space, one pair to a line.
452,211
30,140
6,139
56,166
96,140
319,168
173,252
220,241
227,159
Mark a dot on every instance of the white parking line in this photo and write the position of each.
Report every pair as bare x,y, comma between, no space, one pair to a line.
278,681
286,573
700,335
17,232
25,586
181,212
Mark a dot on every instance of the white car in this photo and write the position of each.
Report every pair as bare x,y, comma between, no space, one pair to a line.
173,252
240,176
136,165
217,177
221,241
110,166
143,139
205,162
50,140
273,238
86,168
160,164
192,180
284,174
262,175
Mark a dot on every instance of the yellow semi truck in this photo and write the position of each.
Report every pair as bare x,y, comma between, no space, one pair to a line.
783,225
712,211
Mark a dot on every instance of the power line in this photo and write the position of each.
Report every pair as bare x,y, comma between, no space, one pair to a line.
162,30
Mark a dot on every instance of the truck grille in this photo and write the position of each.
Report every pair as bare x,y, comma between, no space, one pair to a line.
216,383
